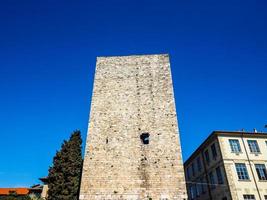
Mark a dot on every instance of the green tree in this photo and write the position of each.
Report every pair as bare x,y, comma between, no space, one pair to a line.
64,176
14,197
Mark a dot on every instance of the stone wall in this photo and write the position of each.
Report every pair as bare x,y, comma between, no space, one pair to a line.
133,95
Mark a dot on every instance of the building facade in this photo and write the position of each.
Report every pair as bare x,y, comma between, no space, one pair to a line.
44,193
228,165
133,149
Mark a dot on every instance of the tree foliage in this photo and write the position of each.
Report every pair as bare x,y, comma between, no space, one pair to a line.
64,175
14,197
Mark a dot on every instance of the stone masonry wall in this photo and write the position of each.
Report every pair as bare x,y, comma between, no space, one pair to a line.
133,95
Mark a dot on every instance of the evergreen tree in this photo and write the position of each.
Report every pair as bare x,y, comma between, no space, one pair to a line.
64,176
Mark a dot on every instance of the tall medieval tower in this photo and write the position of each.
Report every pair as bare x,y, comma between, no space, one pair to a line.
133,150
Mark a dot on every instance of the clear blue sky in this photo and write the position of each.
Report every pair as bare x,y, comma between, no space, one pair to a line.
48,50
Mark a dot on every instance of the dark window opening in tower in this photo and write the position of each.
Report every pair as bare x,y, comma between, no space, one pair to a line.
145,138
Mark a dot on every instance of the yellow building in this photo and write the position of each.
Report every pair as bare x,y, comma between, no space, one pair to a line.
228,165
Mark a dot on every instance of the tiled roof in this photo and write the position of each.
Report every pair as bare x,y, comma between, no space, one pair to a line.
19,191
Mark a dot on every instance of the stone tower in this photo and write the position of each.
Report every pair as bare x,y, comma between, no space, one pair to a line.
133,150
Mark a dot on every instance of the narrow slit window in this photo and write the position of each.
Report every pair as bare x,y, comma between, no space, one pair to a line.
145,138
